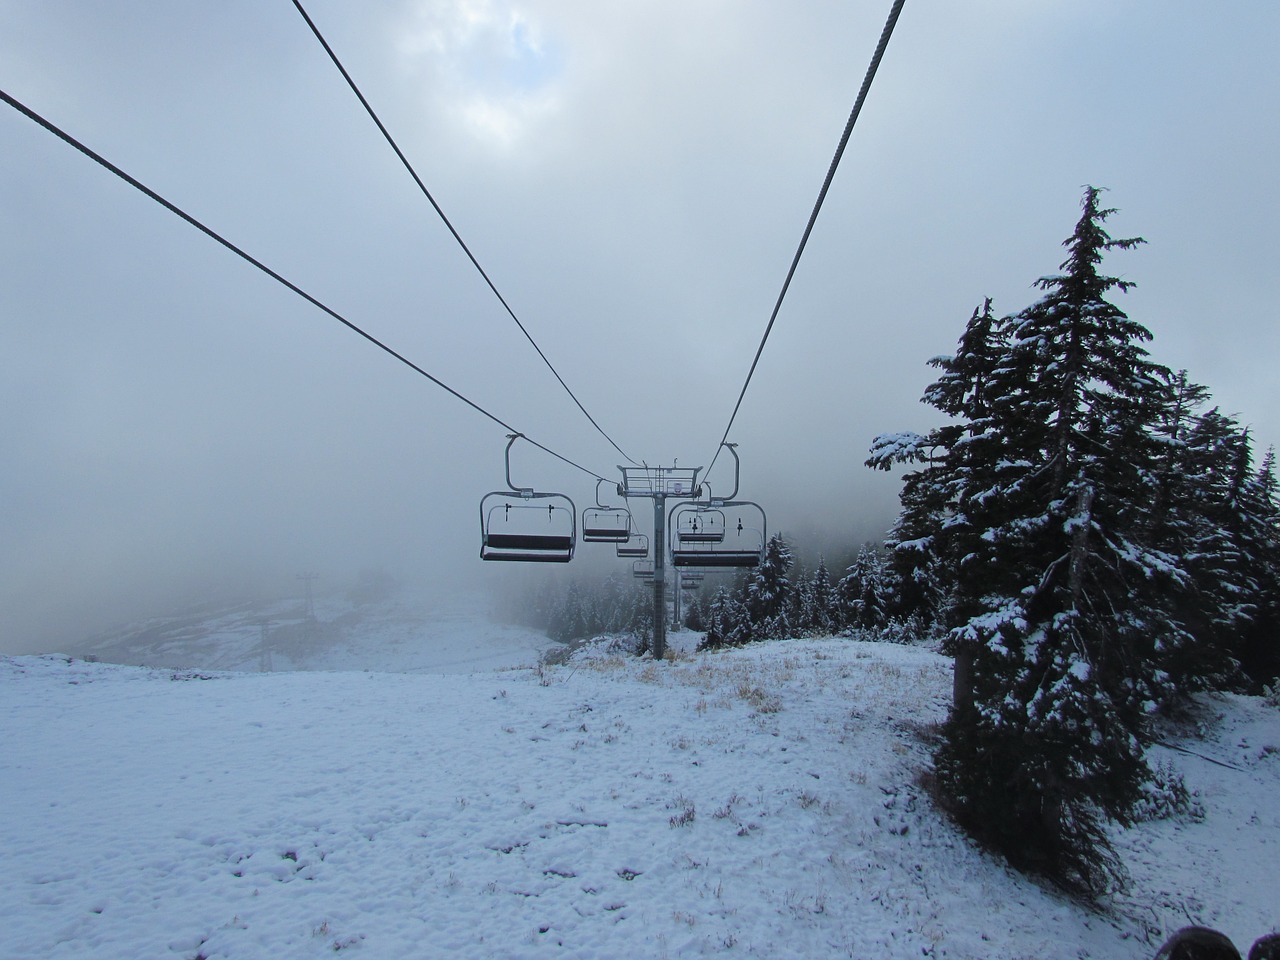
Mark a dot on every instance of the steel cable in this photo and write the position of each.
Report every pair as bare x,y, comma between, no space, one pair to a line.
456,236
822,195
209,232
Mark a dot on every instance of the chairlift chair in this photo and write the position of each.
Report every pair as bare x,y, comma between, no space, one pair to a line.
513,529
522,524
744,533
604,524
741,546
642,569
637,546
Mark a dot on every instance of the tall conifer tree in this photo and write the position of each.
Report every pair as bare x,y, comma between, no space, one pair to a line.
1074,613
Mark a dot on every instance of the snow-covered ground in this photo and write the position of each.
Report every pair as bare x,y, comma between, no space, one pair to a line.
763,802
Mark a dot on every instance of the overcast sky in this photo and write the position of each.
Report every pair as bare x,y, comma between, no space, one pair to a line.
635,178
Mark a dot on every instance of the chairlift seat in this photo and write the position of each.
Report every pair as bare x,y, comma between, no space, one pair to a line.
637,546
739,544
701,536
524,556
527,527
518,541
715,558
606,524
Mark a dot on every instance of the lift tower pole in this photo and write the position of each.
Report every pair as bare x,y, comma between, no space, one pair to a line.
657,484
659,575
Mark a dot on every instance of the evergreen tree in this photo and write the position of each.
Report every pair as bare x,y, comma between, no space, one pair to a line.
581,609
736,623
769,590
821,602
566,621
1097,548
799,605
1060,604
862,591
913,541
1197,519
1256,525
717,614
695,617
933,536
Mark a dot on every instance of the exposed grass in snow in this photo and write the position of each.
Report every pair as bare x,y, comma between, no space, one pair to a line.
763,802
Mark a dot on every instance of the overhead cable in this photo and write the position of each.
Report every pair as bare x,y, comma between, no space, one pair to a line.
177,211
465,249
822,195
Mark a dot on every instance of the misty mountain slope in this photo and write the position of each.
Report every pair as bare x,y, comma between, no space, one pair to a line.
761,803
393,630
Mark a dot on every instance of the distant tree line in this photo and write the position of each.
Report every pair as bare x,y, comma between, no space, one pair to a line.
1097,542
612,605
774,601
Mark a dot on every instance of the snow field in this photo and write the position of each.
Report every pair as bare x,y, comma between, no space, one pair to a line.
759,802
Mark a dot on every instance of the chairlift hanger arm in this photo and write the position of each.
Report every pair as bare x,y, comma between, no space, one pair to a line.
602,506
523,491
737,467
737,471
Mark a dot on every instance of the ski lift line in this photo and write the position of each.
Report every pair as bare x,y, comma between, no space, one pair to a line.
813,217
248,258
456,236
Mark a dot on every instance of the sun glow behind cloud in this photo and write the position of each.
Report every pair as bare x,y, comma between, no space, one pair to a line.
494,68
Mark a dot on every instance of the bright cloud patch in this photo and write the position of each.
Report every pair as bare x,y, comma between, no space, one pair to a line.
494,65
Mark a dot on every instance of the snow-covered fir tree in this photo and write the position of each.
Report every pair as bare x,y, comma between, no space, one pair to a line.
727,621
769,591
1066,602
1201,474
799,606
713,623
864,595
582,608
1032,522
1255,525
759,606
962,461
695,615
821,612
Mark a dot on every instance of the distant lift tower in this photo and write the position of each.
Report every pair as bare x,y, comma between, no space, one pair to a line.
657,484
309,610
264,647
309,621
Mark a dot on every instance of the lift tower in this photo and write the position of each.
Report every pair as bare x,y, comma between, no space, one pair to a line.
657,484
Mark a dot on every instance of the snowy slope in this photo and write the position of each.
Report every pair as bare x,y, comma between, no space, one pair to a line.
401,632
757,803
